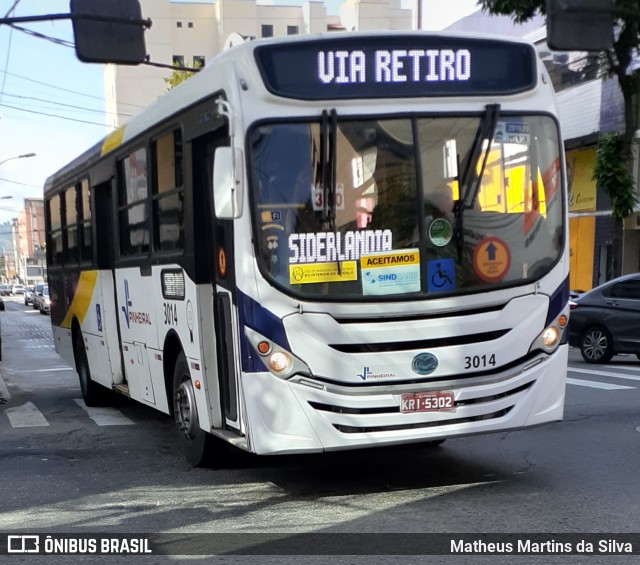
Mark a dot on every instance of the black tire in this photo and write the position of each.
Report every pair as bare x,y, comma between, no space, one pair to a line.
198,445
596,345
92,393
638,355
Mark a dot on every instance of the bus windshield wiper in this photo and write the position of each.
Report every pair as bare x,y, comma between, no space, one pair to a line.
469,183
329,160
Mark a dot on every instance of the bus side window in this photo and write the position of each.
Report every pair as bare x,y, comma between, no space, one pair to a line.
133,204
55,227
168,192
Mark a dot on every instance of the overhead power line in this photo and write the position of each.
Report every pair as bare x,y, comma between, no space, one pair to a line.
53,115
20,183
72,106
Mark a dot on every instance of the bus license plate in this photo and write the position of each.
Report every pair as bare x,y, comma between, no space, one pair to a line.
427,402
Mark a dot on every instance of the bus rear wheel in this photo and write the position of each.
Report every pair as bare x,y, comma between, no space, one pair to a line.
198,445
92,393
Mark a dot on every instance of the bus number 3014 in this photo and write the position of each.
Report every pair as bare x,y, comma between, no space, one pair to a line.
479,361
170,314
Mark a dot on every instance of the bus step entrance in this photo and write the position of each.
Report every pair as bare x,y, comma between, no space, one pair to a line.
121,388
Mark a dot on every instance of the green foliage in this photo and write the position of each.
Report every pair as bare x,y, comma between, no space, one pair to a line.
521,10
178,76
612,174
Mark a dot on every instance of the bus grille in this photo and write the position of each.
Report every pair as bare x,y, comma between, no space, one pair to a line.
369,429
372,412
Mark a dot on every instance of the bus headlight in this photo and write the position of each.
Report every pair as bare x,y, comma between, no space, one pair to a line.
279,361
552,335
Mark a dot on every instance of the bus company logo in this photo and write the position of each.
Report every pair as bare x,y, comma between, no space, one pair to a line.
368,375
424,363
132,316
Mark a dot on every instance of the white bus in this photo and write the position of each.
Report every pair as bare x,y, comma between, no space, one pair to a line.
323,243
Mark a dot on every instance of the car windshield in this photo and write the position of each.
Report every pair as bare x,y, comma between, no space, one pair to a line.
336,204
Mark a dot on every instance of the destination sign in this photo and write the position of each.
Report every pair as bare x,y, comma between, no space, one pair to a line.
362,66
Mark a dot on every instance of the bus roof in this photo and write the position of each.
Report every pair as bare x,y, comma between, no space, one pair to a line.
258,70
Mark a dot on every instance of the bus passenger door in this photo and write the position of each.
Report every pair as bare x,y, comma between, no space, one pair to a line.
214,263
106,367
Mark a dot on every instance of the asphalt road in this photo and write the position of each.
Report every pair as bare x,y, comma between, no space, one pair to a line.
68,469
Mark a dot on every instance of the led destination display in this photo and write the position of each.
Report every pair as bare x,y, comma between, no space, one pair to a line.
409,65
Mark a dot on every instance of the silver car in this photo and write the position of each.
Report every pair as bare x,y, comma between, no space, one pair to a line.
44,302
28,294
37,294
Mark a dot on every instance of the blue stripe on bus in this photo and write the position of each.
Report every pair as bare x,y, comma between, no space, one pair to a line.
557,302
258,318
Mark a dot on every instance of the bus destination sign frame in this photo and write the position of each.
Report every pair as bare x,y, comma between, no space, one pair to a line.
408,66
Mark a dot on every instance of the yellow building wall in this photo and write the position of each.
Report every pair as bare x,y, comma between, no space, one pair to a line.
582,187
581,242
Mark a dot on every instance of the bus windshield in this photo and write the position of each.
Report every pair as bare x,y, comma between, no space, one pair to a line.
355,209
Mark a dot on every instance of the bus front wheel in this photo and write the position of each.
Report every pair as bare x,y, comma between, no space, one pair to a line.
197,443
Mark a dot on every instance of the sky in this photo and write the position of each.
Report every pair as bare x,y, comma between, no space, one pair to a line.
51,104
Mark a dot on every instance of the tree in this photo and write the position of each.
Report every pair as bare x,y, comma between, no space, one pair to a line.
615,62
180,74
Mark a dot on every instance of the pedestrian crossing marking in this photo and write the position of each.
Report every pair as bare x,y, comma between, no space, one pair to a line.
26,416
105,416
606,374
596,384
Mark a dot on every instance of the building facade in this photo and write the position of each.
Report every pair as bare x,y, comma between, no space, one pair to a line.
190,34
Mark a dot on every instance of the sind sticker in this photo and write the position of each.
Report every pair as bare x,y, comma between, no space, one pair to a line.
391,273
323,272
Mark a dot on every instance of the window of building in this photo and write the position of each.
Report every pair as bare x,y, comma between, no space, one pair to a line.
198,61
293,30
178,24
86,240
568,68
168,193
178,60
190,25
267,30
133,206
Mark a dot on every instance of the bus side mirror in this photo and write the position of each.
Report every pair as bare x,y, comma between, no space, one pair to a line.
109,32
580,25
227,183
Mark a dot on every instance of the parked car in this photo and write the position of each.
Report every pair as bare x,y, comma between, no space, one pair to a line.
37,294
28,294
17,289
1,302
605,321
5,289
44,303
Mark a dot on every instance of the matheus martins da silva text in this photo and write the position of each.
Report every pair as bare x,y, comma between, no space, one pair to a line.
596,546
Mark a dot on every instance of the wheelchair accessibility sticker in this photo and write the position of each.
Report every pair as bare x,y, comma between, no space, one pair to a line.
441,274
